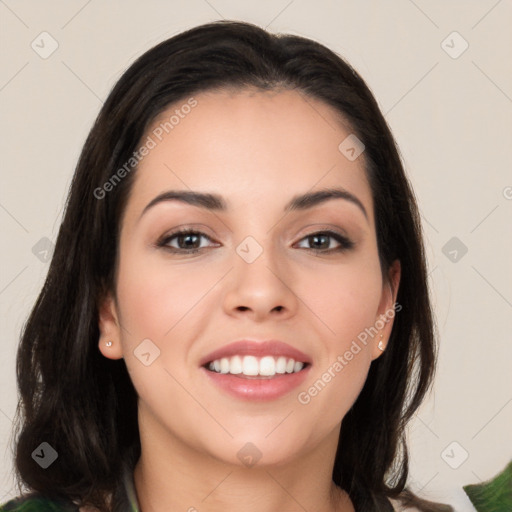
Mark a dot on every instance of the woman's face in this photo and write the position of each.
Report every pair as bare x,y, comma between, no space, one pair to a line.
254,270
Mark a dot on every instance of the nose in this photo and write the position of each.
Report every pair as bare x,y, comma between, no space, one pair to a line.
260,288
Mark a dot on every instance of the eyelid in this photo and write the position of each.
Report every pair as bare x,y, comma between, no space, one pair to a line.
319,227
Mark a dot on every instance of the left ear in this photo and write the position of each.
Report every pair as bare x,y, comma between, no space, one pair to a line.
386,312
109,343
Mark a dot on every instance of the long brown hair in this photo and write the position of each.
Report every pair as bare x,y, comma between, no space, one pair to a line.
85,405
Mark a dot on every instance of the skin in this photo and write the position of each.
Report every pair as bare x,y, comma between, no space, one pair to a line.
254,148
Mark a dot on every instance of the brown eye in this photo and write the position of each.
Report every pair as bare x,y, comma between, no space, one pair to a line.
321,241
187,241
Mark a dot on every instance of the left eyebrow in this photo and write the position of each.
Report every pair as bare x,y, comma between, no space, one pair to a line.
216,202
310,199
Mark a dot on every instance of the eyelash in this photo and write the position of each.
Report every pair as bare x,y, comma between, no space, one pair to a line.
345,243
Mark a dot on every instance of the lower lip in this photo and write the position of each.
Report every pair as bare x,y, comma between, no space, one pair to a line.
258,388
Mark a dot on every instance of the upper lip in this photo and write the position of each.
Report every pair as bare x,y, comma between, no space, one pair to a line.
256,348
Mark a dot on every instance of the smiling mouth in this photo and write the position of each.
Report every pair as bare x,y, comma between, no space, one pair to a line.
252,367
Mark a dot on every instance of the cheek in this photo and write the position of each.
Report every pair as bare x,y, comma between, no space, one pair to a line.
344,301
344,298
157,302
154,297
334,389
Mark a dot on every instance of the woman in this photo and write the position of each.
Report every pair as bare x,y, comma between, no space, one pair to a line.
236,313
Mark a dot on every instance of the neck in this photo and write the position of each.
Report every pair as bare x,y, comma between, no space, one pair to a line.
171,475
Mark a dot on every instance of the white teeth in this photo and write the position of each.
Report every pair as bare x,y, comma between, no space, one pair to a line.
224,365
250,365
235,365
266,366
281,365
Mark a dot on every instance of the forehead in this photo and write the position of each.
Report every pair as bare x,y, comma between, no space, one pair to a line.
249,146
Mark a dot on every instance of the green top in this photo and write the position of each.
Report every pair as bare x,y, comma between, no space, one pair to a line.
38,503
492,496
34,504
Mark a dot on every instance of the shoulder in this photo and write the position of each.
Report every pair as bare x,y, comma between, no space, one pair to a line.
36,504
398,507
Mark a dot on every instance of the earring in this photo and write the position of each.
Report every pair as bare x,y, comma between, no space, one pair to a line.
108,343
381,343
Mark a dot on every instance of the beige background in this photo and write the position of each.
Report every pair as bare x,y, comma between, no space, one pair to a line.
452,120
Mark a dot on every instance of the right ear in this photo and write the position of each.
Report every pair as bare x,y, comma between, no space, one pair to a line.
109,326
